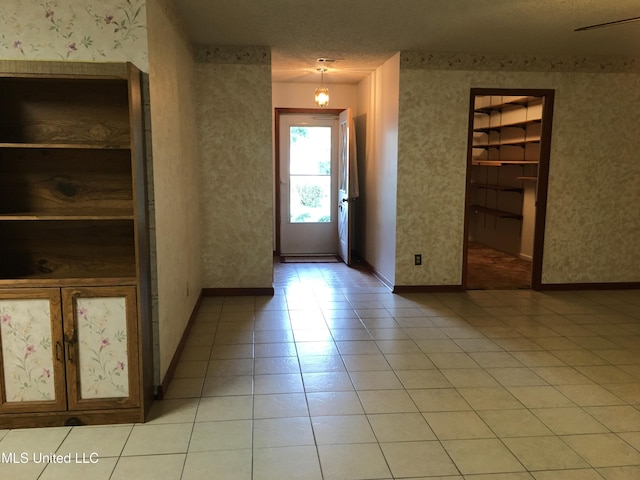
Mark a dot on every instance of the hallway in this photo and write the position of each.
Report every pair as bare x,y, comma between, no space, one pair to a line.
334,377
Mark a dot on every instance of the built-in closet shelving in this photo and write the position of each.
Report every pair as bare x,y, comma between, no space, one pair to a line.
506,135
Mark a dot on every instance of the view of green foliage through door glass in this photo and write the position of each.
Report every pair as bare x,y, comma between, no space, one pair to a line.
309,174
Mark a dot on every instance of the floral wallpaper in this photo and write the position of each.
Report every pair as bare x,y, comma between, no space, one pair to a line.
102,339
25,329
109,30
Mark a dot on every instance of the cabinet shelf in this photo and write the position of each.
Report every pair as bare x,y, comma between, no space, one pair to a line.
38,280
61,249
496,213
64,111
63,146
67,215
45,183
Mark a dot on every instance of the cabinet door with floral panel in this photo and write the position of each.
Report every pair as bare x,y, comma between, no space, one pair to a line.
101,338
32,376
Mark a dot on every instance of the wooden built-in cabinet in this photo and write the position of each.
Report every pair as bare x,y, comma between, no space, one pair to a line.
68,349
74,269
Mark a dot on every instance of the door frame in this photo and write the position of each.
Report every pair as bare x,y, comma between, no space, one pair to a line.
278,113
543,176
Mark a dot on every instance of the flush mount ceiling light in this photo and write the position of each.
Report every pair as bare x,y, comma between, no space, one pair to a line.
322,92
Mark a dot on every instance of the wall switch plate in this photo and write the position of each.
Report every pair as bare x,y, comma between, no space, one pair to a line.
417,259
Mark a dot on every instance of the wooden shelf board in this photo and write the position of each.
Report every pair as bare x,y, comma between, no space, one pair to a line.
40,280
534,179
65,215
61,146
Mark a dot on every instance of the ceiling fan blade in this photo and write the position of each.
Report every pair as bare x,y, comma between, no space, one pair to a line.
607,24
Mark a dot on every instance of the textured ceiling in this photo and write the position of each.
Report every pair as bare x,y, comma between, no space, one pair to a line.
362,34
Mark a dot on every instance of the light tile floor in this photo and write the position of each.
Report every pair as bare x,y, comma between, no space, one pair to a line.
334,377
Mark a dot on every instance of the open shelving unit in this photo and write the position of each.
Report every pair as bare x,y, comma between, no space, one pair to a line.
506,134
505,153
66,181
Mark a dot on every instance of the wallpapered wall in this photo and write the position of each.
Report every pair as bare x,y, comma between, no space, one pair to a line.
107,30
593,222
176,176
234,120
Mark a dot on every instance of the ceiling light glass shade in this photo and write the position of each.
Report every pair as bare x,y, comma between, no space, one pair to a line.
322,96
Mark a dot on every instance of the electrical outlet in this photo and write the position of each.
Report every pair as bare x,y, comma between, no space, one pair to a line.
417,259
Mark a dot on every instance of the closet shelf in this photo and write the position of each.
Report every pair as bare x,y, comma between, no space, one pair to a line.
496,213
498,188
533,179
511,143
511,125
499,163
522,101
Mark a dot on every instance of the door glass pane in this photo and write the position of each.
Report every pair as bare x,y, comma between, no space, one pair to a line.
309,198
309,174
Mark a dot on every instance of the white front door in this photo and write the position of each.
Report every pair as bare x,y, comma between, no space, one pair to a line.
344,212
308,184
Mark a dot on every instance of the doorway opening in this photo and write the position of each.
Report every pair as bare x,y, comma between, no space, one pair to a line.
507,176
306,168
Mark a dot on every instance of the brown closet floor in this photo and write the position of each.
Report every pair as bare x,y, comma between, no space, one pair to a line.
489,269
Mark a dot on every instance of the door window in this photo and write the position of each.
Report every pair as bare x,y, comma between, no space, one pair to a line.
309,174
